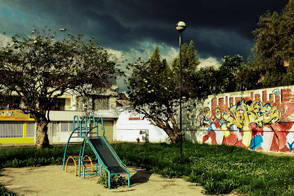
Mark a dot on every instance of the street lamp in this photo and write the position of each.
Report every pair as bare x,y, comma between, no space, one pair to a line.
181,26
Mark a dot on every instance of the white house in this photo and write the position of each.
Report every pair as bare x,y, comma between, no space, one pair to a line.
131,127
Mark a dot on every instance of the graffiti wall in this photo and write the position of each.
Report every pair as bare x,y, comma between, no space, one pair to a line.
258,120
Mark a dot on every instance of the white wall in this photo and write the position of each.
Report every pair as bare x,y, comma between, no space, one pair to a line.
64,115
129,130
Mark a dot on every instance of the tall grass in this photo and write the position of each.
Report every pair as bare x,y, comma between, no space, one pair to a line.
30,156
219,169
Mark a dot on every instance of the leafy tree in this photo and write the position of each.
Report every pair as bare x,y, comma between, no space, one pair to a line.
274,46
189,61
288,77
247,78
154,89
205,81
40,68
227,72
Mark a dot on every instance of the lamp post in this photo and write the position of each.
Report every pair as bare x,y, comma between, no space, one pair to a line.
181,26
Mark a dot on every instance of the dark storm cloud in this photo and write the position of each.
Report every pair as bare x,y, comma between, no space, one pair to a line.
219,27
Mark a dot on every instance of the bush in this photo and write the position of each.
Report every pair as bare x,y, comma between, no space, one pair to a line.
5,192
115,181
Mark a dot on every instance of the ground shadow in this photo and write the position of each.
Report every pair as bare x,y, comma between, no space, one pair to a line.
140,177
1,172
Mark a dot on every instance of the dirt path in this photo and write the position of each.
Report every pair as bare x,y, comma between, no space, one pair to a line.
51,180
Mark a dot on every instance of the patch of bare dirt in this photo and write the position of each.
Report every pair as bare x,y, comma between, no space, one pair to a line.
52,180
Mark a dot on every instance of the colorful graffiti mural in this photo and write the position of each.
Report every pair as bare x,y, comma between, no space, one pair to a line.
252,124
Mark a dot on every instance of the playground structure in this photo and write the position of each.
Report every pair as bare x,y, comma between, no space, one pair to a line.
103,155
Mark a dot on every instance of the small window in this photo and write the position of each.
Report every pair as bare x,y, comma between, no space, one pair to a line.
11,129
30,129
58,104
101,103
66,126
53,129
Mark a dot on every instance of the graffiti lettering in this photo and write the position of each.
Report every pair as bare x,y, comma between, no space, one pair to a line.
253,125
6,113
276,92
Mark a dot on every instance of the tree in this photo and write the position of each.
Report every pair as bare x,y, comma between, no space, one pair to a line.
154,91
227,73
189,61
205,81
40,68
288,77
247,78
274,48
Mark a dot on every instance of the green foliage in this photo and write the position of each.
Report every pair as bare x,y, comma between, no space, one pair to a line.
206,80
151,82
219,169
223,186
288,77
24,157
248,77
226,76
189,61
5,192
274,47
211,80
115,181
41,67
154,88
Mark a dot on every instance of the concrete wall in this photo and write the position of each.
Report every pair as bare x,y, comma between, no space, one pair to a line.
258,120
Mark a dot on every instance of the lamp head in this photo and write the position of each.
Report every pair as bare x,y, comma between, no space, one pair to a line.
181,26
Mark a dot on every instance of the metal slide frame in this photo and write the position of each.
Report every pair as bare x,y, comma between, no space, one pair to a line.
80,131
85,127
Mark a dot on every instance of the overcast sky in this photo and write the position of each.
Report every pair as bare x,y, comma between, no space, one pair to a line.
133,28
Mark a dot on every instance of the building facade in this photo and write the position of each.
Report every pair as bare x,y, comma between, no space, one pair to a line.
18,128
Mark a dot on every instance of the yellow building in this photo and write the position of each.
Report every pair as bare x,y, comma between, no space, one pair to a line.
17,128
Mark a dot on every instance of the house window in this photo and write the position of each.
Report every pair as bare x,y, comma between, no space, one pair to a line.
58,104
66,126
11,129
53,128
101,103
30,129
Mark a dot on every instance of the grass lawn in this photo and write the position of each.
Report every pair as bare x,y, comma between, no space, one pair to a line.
219,169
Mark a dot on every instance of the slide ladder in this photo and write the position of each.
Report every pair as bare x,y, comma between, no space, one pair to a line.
74,151
105,155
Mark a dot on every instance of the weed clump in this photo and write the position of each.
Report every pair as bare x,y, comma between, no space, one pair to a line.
115,181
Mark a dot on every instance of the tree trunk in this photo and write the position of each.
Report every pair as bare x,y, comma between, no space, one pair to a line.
173,131
42,135
174,134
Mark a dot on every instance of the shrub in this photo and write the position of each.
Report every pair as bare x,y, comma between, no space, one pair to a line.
115,181
5,192
224,186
